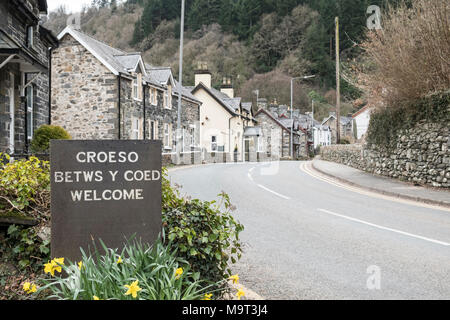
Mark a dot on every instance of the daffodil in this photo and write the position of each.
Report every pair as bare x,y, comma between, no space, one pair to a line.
29,288
96,298
207,296
133,289
119,261
240,293
53,266
235,279
80,265
178,273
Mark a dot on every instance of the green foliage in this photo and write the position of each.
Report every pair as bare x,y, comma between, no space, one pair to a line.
205,233
105,275
25,187
385,124
43,135
24,248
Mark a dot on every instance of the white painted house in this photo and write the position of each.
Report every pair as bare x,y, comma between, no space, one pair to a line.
362,120
321,136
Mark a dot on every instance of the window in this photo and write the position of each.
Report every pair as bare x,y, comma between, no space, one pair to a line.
137,87
152,125
30,109
167,135
30,37
260,144
153,96
213,143
136,129
192,136
168,98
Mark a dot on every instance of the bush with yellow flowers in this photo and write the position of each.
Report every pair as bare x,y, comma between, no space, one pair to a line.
138,272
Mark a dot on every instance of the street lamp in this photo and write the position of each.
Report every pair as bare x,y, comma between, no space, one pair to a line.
292,109
180,83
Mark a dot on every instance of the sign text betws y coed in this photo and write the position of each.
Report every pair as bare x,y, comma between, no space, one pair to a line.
108,190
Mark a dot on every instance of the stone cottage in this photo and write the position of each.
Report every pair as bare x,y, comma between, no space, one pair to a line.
25,50
275,137
100,92
346,124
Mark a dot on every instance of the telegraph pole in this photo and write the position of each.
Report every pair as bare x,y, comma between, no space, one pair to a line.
338,86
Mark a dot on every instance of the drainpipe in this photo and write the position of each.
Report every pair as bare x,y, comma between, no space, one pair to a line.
229,134
143,107
50,86
119,106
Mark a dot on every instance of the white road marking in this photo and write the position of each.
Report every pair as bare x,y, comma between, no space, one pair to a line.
385,228
275,193
319,176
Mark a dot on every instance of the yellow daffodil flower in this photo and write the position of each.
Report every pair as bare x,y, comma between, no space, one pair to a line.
178,273
235,279
207,296
240,293
80,265
29,288
120,260
133,289
96,298
59,261
53,266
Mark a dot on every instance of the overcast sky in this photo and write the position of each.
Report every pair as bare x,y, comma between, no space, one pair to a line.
71,5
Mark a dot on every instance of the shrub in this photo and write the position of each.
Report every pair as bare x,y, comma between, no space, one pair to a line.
23,247
385,124
139,272
43,135
405,60
206,233
25,188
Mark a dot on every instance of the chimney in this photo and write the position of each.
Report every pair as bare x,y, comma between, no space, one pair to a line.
227,87
203,75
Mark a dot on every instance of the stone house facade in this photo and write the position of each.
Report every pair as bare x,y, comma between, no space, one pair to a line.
25,51
275,137
100,92
346,125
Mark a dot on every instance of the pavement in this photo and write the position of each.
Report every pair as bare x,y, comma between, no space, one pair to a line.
382,185
309,237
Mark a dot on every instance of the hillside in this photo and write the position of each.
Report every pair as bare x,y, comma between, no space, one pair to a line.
260,44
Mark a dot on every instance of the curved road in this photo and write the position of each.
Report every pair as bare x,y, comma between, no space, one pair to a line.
307,237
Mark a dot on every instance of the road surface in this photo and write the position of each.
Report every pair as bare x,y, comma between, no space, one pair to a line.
307,237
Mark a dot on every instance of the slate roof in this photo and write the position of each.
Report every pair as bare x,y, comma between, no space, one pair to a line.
121,62
247,106
230,104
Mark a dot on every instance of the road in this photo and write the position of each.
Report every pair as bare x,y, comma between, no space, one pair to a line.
307,237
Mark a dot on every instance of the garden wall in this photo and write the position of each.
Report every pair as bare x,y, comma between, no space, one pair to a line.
413,145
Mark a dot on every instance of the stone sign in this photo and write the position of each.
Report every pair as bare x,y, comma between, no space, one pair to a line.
108,190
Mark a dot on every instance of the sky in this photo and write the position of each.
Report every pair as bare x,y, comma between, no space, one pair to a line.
71,5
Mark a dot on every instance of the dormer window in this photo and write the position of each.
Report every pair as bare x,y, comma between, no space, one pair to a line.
168,98
137,87
30,37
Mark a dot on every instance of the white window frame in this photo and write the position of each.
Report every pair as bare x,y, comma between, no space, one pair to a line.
260,144
167,136
137,88
136,128
30,111
153,96
168,98
152,129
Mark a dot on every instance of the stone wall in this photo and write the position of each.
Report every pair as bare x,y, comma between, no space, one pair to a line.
84,93
421,156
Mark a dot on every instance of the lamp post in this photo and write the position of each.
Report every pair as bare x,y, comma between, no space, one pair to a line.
292,109
180,84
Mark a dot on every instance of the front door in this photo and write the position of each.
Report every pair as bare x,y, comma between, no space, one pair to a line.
247,150
11,114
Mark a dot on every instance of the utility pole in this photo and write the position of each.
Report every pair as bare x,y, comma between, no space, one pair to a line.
180,85
338,86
